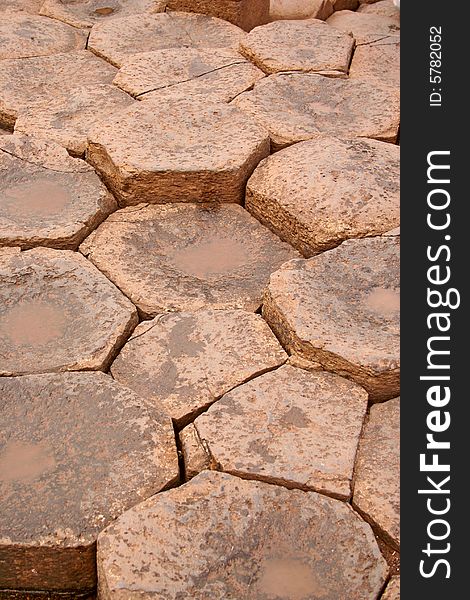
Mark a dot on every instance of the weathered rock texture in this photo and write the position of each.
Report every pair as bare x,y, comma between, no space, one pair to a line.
27,6
386,8
300,9
378,61
244,13
365,27
392,591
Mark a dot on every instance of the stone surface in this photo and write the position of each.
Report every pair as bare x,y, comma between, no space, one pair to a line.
239,539
308,46
184,150
195,452
27,80
300,9
378,61
27,6
185,257
221,74
345,4
118,39
76,450
385,8
318,193
86,13
23,35
392,591
288,427
68,117
341,309
297,106
47,198
244,13
363,26
58,313
377,481
188,360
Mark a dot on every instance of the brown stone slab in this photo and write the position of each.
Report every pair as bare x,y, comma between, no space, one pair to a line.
318,193
378,61
41,205
239,539
177,150
345,4
377,481
385,8
365,26
288,427
58,313
188,360
118,39
27,80
392,591
308,46
300,9
195,452
76,451
341,309
24,35
295,107
244,13
186,257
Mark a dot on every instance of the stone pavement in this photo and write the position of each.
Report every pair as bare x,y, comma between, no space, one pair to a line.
199,299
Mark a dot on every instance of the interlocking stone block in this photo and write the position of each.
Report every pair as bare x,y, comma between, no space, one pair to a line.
385,8
300,9
26,6
365,26
378,60
58,313
318,193
76,451
341,309
244,13
392,591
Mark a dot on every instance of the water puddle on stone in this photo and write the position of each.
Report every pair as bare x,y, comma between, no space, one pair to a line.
384,301
215,257
289,579
24,461
38,198
33,323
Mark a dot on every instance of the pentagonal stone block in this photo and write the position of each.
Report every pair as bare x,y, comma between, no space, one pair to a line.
188,360
318,193
297,106
364,27
308,46
47,198
392,591
68,118
239,539
24,35
76,451
27,6
300,9
220,73
378,60
341,309
289,427
24,81
86,13
183,150
244,13
180,257
385,8
377,482
118,39
58,313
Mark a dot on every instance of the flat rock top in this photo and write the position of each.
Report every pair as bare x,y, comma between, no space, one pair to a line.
24,35
377,484
378,60
186,256
27,6
385,8
392,591
309,45
188,360
318,193
239,539
117,39
364,26
297,106
58,313
300,9
289,427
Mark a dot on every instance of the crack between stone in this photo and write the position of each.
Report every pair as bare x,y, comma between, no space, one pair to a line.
30,162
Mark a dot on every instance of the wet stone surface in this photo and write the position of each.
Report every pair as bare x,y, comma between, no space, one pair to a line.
239,539
289,427
186,361
58,313
318,193
244,13
76,451
341,309
185,257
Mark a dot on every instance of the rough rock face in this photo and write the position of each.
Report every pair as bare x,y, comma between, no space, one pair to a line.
300,9
26,6
392,591
378,61
365,26
47,198
186,361
185,257
386,8
244,13
183,150
341,309
239,539
58,313
307,46
345,4
76,450
377,484
318,193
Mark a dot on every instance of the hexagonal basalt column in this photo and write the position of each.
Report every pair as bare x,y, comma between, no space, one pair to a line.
190,150
184,257
365,27
76,451
318,193
300,9
244,13
47,198
392,591
58,313
239,539
378,60
385,8
188,360
341,309
26,6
